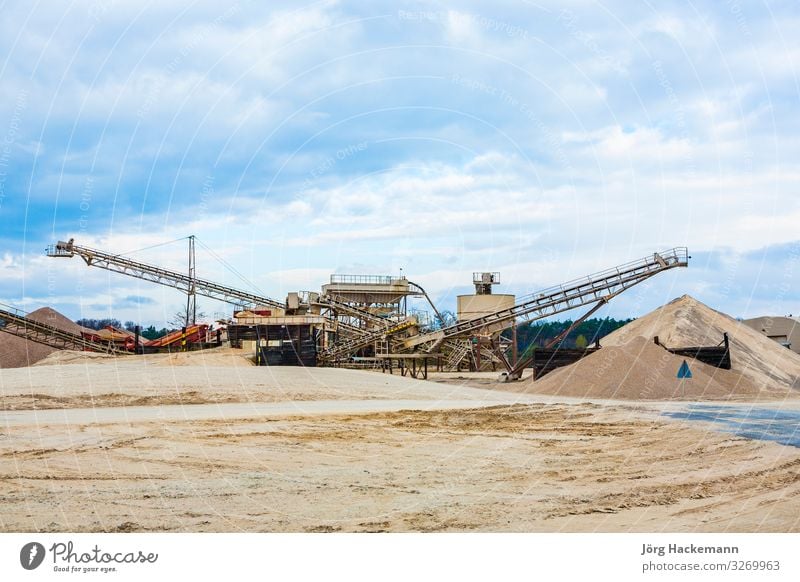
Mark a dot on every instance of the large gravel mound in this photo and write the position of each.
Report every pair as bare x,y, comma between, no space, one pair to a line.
631,366
16,352
687,322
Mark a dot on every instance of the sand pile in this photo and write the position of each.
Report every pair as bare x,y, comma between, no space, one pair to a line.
70,357
16,352
687,322
55,319
222,357
641,370
630,366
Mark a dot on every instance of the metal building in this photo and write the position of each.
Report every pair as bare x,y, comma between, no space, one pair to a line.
380,295
784,330
483,349
289,336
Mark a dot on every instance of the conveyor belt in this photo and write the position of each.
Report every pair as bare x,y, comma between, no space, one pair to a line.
14,322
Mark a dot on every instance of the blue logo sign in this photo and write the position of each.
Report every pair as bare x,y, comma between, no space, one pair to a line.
684,371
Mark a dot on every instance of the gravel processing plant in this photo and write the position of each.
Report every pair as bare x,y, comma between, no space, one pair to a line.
341,410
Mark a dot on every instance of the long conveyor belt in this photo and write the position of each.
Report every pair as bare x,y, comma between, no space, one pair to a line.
14,322
585,291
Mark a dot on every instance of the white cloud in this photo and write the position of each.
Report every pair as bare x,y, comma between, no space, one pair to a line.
642,145
567,142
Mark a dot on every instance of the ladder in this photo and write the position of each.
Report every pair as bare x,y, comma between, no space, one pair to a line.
460,348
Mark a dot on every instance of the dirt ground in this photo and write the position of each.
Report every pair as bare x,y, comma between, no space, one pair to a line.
498,461
74,380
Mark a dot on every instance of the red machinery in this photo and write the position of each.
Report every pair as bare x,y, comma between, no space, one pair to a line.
194,334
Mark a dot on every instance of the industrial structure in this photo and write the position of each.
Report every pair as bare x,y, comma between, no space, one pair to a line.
108,340
784,330
483,350
15,322
286,335
358,318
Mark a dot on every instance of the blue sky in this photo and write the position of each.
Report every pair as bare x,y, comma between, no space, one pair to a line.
542,140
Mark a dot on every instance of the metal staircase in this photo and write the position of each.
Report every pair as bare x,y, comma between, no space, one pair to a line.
349,330
460,348
352,345
336,304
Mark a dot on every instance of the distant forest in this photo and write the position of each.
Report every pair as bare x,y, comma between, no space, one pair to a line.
538,334
147,333
585,334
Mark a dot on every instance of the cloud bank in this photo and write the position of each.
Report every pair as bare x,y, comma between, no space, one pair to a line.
545,141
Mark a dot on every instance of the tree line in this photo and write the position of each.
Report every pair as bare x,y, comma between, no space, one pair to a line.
536,334
150,332
540,333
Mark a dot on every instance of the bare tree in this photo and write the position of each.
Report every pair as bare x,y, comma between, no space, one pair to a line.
179,319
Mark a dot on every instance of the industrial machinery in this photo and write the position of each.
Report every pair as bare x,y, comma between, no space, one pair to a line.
187,283
266,323
191,333
357,315
486,350
594,290
14,322
353,307
599,287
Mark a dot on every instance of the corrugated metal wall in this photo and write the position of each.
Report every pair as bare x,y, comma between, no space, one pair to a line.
286,345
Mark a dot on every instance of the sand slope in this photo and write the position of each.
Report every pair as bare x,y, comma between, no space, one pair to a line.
16,352
688,322
521,468
641,370
215,377
631,366
221,356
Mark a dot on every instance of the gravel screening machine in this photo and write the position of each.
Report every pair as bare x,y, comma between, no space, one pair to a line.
345,329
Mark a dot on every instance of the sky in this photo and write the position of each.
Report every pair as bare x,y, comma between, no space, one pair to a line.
544,140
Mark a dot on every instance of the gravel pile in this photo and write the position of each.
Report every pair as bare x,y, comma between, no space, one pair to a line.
687,322
630,366
16,352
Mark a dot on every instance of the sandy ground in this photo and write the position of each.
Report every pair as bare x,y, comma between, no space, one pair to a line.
363,451
75,381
